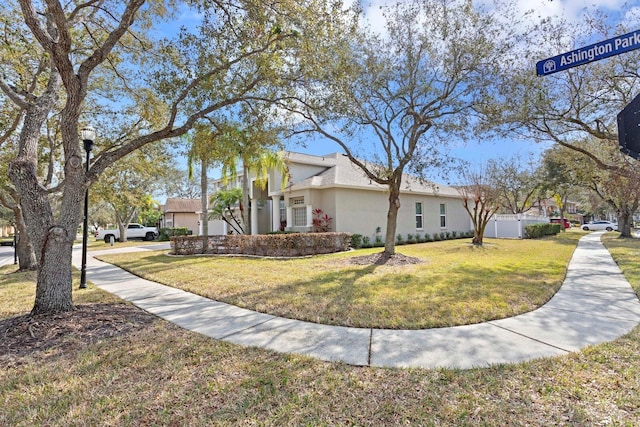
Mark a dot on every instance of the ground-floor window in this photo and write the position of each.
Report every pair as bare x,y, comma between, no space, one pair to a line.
443,215
299,212
419,224
300,217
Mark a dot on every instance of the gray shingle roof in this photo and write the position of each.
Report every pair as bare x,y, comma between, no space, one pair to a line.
341,172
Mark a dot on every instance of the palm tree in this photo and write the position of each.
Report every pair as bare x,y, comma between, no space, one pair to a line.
203,146
256,149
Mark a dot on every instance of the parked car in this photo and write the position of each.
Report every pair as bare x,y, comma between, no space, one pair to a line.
567,223
600,225
133,231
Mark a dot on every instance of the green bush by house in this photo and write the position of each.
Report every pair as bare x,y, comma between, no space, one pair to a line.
535,231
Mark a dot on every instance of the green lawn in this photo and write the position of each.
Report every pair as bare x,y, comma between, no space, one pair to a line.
455,284
154,373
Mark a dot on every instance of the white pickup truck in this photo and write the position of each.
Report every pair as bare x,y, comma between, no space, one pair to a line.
134,231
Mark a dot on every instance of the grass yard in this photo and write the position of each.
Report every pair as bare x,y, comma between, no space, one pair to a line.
455,284
100,245
144,371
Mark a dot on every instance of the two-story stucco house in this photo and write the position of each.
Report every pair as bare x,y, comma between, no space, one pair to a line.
356,204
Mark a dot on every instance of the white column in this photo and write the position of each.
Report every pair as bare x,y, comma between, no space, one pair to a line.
289,217
275,213
254,216
309,216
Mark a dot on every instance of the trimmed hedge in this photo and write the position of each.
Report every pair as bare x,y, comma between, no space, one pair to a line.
166,233
275,245
534,231
356,241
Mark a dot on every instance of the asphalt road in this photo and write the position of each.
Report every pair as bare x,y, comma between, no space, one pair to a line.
6,255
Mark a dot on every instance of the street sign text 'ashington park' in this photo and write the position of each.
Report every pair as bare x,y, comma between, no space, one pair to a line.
594,52
629,118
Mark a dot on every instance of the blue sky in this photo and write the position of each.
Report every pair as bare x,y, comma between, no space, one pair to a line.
482,150
479,151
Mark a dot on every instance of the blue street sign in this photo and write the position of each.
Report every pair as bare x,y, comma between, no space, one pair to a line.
594,52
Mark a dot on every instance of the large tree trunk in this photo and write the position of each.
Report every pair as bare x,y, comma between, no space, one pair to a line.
204,198
624,223
123,221
246,212
478,235
24,248
52,238
392,218
122,231
53,289
52,241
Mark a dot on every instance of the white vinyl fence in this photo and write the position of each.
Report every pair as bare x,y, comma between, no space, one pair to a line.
511,226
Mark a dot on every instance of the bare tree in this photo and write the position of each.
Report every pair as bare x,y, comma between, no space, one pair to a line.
516,182
480,199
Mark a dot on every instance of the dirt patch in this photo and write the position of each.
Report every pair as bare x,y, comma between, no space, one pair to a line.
382,258
44,336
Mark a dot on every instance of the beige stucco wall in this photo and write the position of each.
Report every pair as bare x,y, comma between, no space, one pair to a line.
361,212
456,217
181,219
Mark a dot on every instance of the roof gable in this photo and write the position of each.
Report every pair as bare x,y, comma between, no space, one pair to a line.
341,172
183,205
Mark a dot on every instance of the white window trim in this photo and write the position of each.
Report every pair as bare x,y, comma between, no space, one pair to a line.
443,215
421,215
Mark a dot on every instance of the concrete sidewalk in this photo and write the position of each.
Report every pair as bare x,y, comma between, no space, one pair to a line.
594,305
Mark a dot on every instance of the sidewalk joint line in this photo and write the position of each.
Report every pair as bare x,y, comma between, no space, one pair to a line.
370,345
528,337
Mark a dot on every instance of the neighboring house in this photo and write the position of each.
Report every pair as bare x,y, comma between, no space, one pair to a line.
356,204
549,208
182,213
6,230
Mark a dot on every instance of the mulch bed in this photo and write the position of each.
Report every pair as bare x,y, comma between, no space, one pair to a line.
43,336
382,258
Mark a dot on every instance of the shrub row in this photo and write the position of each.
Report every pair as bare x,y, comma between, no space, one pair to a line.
534,231
360,241
276,245
166,233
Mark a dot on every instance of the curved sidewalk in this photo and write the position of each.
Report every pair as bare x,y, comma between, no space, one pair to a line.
595,304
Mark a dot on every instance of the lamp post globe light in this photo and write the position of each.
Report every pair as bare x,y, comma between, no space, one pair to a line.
88,135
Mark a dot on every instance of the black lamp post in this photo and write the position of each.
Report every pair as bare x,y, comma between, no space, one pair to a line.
15,245
88,135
